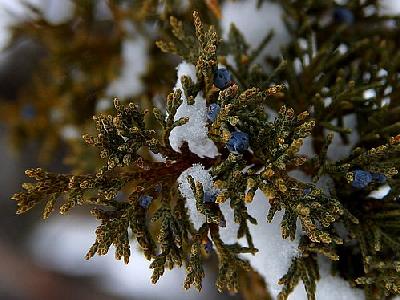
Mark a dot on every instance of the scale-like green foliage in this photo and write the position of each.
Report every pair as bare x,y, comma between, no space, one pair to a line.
313,87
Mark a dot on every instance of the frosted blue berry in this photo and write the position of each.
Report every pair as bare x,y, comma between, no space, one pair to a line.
343,16
378,177
210,197
145,201
238,142
361,179
307,191
28,112
213,111
222,78
208,246
158,188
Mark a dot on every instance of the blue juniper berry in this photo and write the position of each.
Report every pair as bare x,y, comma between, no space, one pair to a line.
158,188
361,179
213,111
145,201
28,112
343,16
378,177
208,246
222,78
238,142
307,191
210,196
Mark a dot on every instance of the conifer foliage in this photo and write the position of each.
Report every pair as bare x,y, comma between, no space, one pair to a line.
175,205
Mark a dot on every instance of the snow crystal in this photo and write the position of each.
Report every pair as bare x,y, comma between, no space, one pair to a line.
199,173
195,131
381,192
275,254
229,233
328,287
334,287
157,157
187,69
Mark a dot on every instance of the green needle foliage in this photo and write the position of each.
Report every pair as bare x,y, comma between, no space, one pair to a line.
313,89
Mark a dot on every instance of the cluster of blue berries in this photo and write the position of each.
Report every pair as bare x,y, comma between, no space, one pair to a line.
145,201
222,79
239,141
363,178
